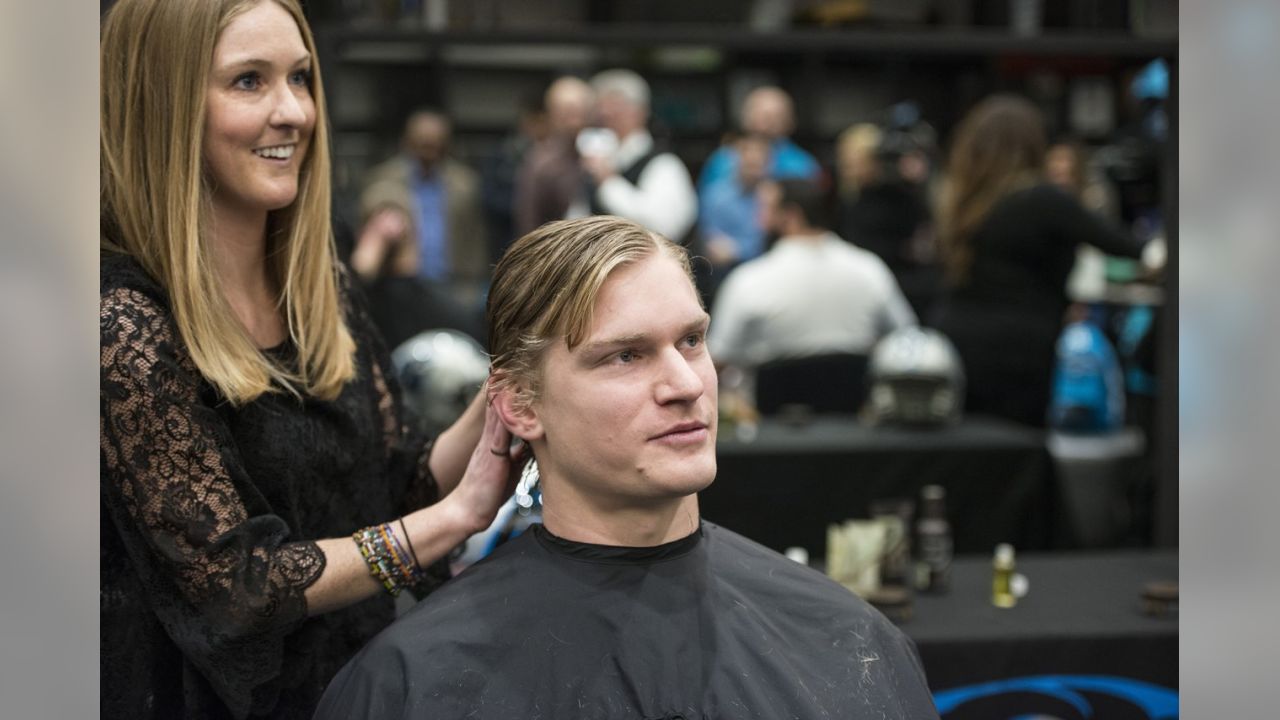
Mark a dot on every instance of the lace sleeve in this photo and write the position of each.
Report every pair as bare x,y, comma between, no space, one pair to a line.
210,555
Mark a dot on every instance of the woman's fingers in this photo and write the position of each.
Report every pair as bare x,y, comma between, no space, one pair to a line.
494,437
517,450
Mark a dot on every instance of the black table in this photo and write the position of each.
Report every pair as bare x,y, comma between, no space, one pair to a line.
1081,619
787,484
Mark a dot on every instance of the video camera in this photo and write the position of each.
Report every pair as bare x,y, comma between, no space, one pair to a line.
904,134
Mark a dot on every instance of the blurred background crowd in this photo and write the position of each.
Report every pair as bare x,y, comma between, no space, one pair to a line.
938,243
910,213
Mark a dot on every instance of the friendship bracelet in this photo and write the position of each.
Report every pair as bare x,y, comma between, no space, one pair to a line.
417,564
398,555
378,557
389,561
377,565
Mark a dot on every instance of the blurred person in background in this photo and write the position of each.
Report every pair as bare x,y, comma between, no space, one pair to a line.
440,196
766,111
730,226
551,175
260,486
882,177
1067,166
1009,240
498,178
623,603
628,174
810,294
401,302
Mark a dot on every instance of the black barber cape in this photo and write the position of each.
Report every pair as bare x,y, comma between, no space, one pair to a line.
708,626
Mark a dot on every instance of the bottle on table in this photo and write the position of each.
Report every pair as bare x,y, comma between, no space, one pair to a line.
896,565
933,541
1002,590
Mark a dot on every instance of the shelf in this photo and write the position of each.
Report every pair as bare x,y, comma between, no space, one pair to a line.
973,42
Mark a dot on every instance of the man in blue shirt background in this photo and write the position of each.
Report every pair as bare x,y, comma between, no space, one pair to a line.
767,111
730,220
440,201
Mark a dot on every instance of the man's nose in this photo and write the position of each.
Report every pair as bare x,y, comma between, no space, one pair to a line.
679,382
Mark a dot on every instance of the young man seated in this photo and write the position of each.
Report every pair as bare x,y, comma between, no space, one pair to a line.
624,603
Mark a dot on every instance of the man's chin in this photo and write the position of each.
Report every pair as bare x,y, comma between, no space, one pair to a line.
696,476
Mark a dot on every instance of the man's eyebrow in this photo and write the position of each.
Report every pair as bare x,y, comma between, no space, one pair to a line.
700,324
638,338
598,345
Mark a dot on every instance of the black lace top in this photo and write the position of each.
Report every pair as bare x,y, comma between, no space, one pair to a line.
210,513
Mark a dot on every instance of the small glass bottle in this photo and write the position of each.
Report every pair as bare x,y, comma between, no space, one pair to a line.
933,541
1002,594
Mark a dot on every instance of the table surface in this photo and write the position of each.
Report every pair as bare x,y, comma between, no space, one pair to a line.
785,486
837,434
1095,595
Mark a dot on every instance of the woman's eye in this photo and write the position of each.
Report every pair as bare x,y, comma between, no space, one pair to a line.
247,81
626,356
301,77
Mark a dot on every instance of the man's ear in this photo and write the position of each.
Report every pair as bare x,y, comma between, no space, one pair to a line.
510,400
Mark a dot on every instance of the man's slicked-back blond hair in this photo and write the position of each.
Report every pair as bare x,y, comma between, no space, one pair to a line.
545,289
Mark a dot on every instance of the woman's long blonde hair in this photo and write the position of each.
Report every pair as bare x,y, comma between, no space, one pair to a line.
998,149
155,62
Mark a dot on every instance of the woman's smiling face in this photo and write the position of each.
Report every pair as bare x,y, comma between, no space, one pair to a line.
260,113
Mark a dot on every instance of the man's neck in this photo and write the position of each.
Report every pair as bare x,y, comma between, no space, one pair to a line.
568,517
425,171
807,235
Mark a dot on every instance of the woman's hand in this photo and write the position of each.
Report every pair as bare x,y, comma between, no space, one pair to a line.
490,476
453,449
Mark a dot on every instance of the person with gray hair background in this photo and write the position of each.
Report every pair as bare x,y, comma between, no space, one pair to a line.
629,176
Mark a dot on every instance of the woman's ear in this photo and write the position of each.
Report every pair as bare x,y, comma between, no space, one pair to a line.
510,400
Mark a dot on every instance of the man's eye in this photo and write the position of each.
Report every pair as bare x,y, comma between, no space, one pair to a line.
693,340
626,356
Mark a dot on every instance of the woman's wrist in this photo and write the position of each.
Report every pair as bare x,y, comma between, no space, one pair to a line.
438,528
452,449
462,515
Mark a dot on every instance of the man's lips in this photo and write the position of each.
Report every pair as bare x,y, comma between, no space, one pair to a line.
692,431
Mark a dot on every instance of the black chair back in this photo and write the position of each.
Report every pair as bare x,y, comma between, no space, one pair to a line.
826,384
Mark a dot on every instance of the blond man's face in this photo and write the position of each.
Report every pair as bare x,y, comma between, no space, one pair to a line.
629,415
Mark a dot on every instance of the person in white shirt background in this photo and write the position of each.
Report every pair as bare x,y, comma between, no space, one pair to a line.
811,293
629,176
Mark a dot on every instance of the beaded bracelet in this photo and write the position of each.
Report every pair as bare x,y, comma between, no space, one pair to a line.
386,558
377,564
407,569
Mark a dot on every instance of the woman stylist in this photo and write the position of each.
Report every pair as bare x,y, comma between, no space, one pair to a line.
262,495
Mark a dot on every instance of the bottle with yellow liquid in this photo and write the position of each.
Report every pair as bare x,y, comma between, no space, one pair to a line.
1002,590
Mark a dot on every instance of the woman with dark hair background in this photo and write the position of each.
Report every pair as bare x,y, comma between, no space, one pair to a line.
1009,240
